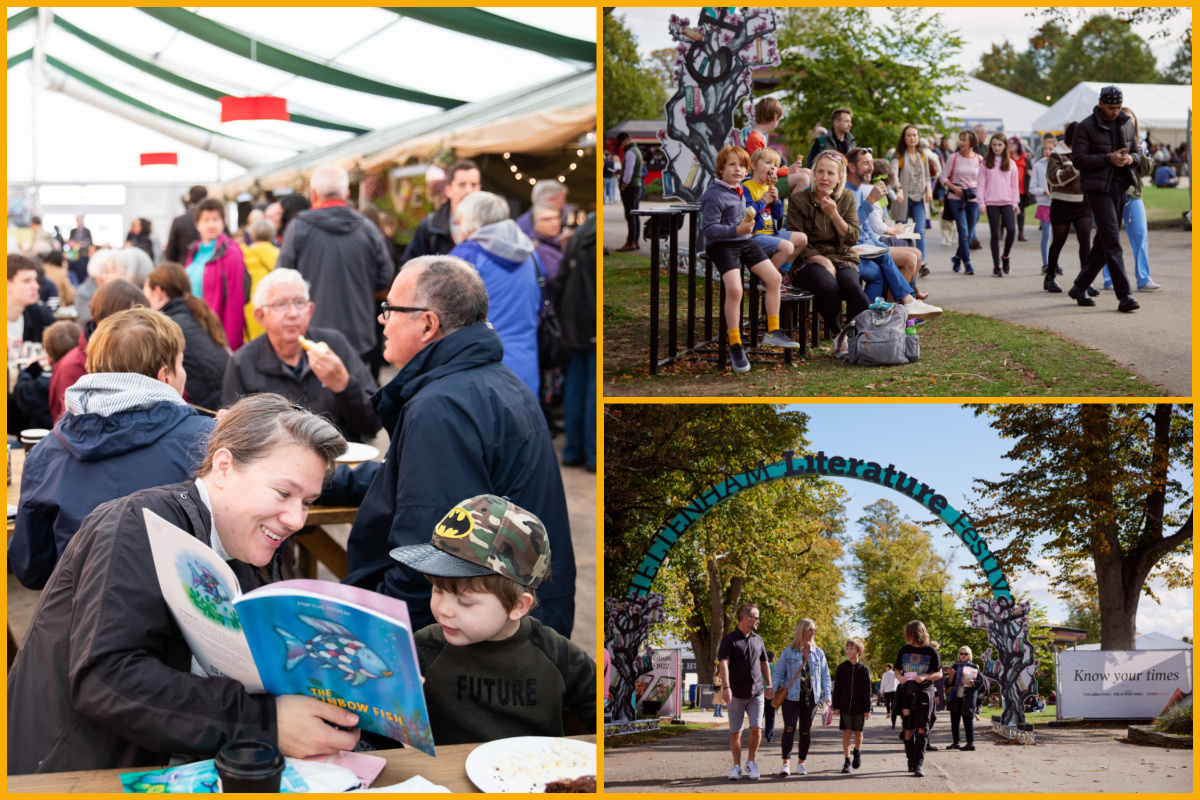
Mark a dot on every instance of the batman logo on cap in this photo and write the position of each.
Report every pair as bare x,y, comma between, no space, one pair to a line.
455,525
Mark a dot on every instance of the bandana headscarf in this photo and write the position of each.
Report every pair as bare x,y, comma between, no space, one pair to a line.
1111,95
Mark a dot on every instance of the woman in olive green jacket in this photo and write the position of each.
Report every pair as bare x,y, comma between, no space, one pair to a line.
827,213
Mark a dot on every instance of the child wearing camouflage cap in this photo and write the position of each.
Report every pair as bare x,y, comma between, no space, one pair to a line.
492,671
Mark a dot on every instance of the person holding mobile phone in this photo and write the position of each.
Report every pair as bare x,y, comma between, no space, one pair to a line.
1107,154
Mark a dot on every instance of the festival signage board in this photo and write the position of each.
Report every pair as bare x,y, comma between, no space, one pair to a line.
1121,684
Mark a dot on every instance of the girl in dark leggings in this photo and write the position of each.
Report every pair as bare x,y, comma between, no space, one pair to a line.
999,192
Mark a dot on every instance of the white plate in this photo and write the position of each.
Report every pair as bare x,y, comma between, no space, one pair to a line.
357,452
528,763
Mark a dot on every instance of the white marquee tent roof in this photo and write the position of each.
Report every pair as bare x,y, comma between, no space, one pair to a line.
982,100
1158,106
54,137
1147,641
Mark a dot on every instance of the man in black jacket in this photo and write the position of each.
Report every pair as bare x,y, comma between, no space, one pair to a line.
434,236
839,139
461,424
183,228
327,378
1107,154
343,257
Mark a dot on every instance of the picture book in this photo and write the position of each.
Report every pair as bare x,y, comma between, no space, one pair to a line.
340,644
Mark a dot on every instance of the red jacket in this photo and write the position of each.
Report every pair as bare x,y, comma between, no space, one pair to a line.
67,370
224,287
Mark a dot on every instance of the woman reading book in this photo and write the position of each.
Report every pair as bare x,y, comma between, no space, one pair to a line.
105,678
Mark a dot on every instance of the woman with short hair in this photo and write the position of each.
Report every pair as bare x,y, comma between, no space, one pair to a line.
105,678
962,698
803,672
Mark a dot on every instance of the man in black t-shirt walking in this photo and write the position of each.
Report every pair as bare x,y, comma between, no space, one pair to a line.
745,675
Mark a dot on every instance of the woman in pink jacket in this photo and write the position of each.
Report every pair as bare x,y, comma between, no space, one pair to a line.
999,191
217,270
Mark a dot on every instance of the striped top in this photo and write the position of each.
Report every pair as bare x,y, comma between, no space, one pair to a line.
962,170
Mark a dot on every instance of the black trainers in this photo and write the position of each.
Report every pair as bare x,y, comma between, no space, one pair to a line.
1128,304
737,357
1092,291
996,273
967,746
1004,264
1080,297
857,762
846,767
954,746
1049,285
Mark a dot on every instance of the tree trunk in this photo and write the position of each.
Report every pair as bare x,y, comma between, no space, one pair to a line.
1118,601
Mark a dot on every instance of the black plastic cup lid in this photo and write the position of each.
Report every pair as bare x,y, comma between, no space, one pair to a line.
249,756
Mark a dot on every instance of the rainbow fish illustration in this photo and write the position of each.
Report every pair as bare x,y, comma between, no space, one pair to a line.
206,582
334,647
161,782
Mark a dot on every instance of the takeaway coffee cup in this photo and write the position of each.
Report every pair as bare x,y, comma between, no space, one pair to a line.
31,436
249,765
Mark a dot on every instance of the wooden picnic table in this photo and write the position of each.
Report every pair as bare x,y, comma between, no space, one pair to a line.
448,769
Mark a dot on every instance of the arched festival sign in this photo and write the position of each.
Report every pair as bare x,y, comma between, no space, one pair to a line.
713,65
1006,622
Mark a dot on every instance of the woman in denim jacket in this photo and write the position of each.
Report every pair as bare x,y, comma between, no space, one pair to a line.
803,661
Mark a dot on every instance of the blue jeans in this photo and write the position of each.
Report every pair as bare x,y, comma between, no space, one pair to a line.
916,212
881,271
579,406
966,214
1135,227
1045,242
610,190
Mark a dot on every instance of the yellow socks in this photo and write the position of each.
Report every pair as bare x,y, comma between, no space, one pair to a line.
735,336
772,323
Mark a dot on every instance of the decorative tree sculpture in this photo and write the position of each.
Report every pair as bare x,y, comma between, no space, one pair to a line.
713,65
628,627
1007,629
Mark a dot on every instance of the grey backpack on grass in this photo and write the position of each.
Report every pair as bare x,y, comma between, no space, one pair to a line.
877,338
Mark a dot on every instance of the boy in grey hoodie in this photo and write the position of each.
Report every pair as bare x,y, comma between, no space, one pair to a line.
727,223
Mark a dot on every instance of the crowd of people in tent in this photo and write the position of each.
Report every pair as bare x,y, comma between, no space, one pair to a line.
856,227
217,379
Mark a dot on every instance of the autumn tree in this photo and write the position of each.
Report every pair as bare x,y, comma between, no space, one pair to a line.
774,544
1103,492
631,90
1103,49
1166,19
889,74
1179,71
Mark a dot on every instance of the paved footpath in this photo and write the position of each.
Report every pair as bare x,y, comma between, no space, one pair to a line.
1153,342
1064,760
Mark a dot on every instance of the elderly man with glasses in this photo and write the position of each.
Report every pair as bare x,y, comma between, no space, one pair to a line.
461,424
326,377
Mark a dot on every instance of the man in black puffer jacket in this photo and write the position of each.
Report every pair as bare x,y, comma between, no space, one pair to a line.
343,257
1107,154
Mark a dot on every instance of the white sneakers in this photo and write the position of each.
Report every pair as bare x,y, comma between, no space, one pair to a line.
801,769
786,769
1149,287
921,310
752,770
735,773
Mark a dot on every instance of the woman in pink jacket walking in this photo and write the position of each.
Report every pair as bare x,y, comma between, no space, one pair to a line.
999,191
217,270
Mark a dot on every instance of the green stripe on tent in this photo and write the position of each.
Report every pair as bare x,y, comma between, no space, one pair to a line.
117,94
20,58
485,25
240,44
20,18
184,83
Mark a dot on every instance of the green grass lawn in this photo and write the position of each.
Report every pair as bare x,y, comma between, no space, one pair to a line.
962,355
1038,717
663,732
1165,205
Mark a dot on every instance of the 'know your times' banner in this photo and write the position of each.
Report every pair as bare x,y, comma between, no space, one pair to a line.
1121,684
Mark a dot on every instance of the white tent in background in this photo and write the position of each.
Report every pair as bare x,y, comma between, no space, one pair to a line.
1148,641
982,101
1161,108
